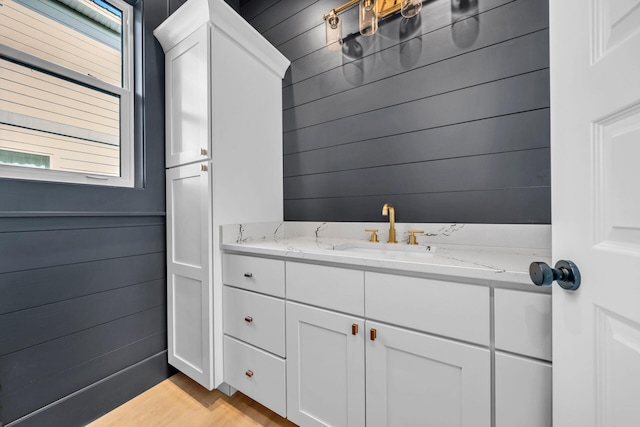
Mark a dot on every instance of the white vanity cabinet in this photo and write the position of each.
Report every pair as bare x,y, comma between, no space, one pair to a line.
367,348
445,308
523,358
223,98
187,66
325,367
254,329
414,379
189,243
325,348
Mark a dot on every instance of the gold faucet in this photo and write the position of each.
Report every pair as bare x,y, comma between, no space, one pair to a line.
387,209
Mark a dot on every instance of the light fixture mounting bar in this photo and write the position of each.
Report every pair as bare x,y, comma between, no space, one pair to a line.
384,8
339,9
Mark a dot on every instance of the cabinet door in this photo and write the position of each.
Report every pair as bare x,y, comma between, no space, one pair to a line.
189,316
325,367
187,99
420,380
523,392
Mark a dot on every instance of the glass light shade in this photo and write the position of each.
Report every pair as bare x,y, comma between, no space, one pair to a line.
368,17
333,27
411,8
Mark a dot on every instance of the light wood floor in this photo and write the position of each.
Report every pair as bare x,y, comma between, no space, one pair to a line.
179,401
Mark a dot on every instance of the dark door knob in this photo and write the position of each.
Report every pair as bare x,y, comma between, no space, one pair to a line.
566,273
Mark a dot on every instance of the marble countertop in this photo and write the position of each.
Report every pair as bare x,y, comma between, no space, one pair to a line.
450,257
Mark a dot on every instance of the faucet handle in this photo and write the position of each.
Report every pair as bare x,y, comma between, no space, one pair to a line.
412,237
374,234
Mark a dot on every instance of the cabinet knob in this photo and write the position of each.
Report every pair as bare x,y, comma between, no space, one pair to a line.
248,319
354,329
412,237
248,275
203,151
373,334
374,234
203,168
249,373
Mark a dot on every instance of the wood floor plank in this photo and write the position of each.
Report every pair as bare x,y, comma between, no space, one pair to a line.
179,401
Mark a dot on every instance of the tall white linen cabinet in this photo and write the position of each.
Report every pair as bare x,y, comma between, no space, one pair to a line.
223,85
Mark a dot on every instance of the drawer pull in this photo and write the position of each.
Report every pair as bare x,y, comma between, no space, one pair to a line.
249,373
354,329
248,319
373,334
248,275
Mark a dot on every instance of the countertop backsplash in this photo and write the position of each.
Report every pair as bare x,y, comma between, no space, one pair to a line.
500,253
531,236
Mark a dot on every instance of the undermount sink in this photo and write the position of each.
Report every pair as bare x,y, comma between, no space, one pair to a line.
386,248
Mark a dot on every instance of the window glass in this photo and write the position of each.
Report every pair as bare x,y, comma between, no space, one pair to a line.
65,98
82,35
25,159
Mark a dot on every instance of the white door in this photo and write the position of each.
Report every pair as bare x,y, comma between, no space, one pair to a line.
595,154
325,368
419,380
187,99
189,284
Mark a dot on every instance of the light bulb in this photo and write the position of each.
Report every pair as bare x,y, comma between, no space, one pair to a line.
411,8
368,17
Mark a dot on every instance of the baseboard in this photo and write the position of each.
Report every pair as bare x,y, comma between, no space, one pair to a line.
95,400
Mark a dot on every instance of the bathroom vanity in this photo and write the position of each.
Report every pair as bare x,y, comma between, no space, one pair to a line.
327,328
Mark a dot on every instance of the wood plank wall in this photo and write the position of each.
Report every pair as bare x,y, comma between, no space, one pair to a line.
82,299
448,122
83,276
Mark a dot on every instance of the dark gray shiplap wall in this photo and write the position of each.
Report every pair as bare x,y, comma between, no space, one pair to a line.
448,122
83,276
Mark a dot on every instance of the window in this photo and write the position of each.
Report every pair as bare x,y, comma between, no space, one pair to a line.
66,91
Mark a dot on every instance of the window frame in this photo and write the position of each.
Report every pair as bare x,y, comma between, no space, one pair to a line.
125,93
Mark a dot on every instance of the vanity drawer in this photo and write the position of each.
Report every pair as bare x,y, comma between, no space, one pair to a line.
328,287
258,374
255,274
449,309
523,323
254,318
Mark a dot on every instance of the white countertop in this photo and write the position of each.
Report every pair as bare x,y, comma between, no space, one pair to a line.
485,262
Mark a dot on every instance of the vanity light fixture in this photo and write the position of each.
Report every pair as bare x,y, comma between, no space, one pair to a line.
370,11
